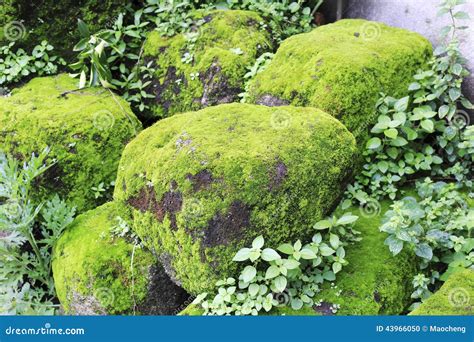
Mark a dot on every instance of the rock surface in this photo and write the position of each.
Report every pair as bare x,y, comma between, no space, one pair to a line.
192,73
85,129
100,269
203,184
341,68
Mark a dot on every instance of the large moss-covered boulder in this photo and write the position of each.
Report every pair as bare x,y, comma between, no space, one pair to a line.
99,268
207,66
342,68
455,297
204,184
373,283
86,131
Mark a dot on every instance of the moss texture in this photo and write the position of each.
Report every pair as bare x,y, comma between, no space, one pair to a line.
341,68
373,283
91,266
56,21
93,270
227,43
86,131
455,297
203,184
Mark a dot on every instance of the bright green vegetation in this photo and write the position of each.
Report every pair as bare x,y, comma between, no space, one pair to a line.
207,66
341,68
98,270
28,233
455,297
294,270
205,184
86,131
373,282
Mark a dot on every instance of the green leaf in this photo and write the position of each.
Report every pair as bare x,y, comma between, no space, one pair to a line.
427,125
249,273
296,303
454,94
402,104
294,7
254,289
269,254
398,142
307,254
391,133
280,283
323,224
443,111
414,86
336,267
424,251
326,250
395,246
392,152
272,272
286,248
242,255
334,240
347,219
374,143
83,29
258,242
461,15
382,166
291,264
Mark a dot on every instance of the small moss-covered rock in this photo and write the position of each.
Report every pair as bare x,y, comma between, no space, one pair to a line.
207,66
99,269
455,297
373,283
86,131
342,68
204,184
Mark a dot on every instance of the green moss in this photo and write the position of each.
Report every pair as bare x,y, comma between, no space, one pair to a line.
85,129
56,21
92,267
455,297
221,69
203,184
341,68
373,283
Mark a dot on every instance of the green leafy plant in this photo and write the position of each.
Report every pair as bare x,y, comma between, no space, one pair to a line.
17,64
27,234
424,133
437,227
293,272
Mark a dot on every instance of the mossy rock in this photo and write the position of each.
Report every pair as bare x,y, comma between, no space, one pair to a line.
30,22
93,271
373,283
227,43
342,68
455,297
204,184
86,131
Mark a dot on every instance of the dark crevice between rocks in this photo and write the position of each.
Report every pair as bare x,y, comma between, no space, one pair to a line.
216,87
163,297
324,308
170,203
